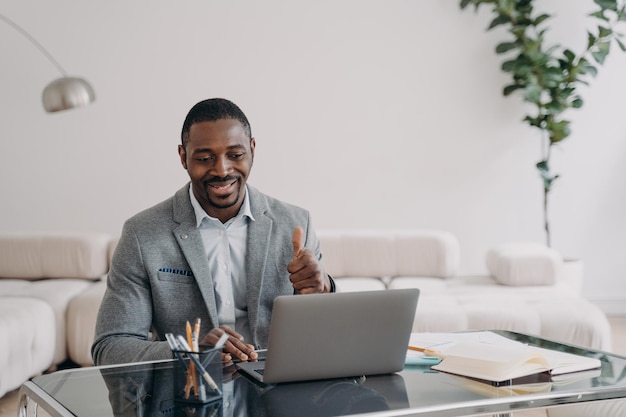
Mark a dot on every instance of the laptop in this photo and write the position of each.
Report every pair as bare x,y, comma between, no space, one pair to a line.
322,336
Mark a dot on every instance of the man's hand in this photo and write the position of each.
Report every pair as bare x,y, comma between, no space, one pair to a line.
307,274
234,346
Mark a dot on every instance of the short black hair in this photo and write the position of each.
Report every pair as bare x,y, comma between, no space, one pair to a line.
211,110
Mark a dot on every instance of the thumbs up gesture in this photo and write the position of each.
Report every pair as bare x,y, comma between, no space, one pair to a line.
306,273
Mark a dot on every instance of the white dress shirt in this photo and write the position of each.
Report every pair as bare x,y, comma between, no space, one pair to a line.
225,248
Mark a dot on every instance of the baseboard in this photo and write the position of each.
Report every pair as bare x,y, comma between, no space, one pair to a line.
611,307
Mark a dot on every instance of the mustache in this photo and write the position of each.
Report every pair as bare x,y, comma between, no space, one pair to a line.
228,178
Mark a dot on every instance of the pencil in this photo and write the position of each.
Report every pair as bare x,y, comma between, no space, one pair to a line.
205,375
417,349
192,368
426,351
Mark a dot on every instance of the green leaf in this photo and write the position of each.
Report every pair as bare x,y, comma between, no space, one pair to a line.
604,32
607,4
540,19
620,44
601,52
509,89
545,174
600,15
591,40
499,20
569,55
559,131
464,3
510,66
532,93
543,166
590,69
505,47
577,103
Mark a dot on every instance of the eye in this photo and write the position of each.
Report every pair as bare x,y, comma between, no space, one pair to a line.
204,158
236,155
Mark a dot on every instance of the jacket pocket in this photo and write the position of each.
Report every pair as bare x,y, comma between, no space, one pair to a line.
175,275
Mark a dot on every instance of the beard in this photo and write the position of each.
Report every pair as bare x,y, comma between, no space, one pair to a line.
226,200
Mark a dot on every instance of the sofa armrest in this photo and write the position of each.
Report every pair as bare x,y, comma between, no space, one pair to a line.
82,312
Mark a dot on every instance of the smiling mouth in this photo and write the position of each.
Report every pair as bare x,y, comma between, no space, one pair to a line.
222,188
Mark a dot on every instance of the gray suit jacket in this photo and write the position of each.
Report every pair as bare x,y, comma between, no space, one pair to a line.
159,277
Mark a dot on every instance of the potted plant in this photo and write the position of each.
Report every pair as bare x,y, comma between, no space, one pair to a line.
549,76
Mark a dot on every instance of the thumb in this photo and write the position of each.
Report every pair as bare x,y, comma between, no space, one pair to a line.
297,240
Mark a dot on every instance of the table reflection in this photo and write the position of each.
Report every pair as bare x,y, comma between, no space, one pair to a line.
149,391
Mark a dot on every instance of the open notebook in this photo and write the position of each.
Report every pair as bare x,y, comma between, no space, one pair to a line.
492,358
336,335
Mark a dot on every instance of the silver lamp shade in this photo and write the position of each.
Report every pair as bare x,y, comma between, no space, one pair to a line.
66,93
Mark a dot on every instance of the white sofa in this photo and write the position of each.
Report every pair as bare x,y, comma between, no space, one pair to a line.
529,289
51,287
40,276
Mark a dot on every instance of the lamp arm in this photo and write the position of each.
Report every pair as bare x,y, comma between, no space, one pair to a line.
34,42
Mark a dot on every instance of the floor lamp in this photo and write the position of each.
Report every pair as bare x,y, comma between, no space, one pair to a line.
63,93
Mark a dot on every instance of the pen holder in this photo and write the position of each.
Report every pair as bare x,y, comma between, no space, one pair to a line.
197,376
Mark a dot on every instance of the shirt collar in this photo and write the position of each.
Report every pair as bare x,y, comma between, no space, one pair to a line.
244,211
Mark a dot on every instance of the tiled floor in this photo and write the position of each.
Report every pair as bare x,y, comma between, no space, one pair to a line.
8,403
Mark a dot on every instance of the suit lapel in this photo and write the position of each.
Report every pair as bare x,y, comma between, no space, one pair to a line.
258,243
190,242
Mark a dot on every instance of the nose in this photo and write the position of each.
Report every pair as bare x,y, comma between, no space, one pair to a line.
222,167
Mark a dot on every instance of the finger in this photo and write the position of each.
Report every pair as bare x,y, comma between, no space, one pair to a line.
297,240
236,346
231,332
252,355
214,336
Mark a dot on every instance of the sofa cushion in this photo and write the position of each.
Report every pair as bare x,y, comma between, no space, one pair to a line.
389,253
27,342
82,256
524,264
428,286
439,313
574,320
353,284
56,293
505,312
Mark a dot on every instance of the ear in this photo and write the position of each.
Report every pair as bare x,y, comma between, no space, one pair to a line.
252,146
183,155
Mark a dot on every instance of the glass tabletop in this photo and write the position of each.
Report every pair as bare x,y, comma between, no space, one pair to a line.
146,389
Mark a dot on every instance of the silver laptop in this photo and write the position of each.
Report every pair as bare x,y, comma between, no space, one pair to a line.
337,335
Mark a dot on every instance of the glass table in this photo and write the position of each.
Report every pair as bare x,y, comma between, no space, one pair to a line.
146,389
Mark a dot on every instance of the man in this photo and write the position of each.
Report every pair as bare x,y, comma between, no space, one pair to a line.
218,250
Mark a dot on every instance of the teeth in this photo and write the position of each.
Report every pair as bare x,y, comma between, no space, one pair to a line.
221,187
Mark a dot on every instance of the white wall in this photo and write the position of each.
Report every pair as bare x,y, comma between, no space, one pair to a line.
372,114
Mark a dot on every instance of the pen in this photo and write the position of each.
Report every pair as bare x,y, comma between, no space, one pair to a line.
174,346
205,375
171,340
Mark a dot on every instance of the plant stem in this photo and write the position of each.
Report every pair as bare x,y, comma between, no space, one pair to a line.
546,190
546,223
